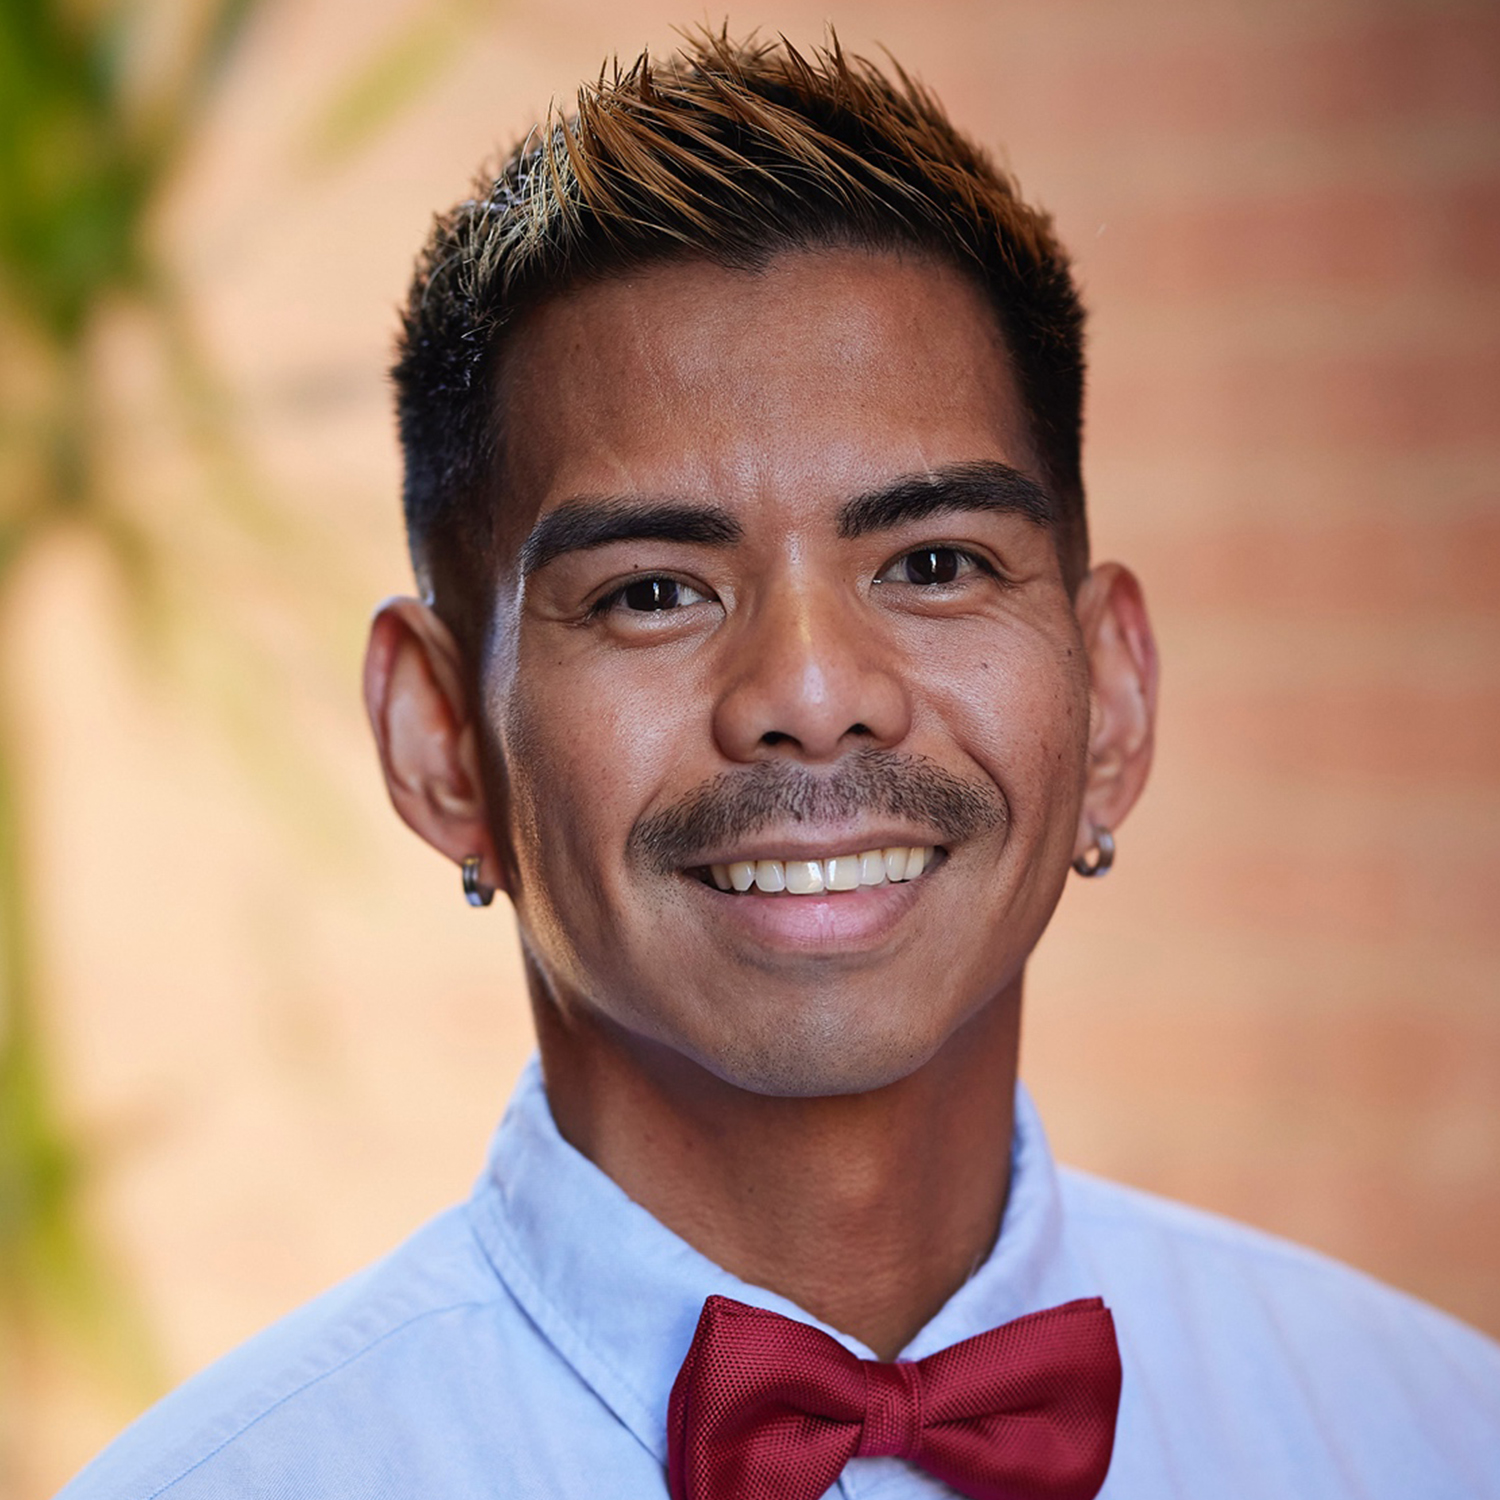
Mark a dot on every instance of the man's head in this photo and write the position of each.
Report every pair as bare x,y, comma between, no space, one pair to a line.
732,154
780,559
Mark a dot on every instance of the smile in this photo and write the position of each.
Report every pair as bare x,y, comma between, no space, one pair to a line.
812,877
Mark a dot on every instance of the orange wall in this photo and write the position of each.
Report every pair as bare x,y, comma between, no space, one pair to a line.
285,1037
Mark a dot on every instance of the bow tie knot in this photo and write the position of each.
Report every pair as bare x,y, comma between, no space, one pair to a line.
766,1408
893,1410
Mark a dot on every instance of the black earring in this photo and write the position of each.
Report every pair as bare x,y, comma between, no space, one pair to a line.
1104,842
476,893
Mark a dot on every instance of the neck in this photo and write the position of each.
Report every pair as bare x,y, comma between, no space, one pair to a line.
868,1210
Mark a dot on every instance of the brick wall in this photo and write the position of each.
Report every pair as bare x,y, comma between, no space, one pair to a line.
1283,1004
1287,1007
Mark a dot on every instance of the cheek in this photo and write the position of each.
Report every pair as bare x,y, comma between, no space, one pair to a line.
587,752
1019,706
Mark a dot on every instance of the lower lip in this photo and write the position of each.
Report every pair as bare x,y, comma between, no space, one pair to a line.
837,921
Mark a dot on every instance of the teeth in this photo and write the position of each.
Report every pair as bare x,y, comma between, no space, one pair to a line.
807,877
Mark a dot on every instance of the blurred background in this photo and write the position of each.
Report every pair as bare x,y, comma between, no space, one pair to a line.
251,1034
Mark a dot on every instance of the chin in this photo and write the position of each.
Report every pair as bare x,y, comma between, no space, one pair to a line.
818,1056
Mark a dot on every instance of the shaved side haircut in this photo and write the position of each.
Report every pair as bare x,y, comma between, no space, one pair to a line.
730,152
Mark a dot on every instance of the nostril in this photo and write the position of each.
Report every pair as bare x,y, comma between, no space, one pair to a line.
774,738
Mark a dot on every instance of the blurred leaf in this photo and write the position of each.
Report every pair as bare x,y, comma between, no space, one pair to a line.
49,1264
175,108
80,170
395,75
94,123
72,190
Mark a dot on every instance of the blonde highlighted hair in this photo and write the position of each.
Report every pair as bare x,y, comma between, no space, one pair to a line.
732,152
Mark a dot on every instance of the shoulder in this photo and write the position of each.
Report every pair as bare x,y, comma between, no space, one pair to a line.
321,1401
1222,1269
1330,1365
1171,1242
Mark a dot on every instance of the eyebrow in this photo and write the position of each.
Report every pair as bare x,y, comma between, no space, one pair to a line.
981,485
581,524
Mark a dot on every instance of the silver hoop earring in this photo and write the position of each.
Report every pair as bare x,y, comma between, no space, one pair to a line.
475,893
1104,842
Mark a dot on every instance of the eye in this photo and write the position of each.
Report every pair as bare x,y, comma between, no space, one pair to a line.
652,595
928,567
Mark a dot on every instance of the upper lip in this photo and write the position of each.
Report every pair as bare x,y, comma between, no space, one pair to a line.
802,845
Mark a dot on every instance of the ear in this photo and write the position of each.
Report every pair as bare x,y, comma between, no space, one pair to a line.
418,703
1122,699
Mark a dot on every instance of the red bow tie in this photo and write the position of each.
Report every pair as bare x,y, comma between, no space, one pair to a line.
766,1408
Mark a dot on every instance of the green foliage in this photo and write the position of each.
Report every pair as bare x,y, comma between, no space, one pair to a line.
40,1248
98,108
82,153
86,147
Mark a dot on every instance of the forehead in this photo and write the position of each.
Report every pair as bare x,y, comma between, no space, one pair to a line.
774,391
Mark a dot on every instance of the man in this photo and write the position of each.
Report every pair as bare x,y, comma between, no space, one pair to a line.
761,663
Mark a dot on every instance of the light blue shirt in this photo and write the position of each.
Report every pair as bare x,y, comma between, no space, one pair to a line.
525,1345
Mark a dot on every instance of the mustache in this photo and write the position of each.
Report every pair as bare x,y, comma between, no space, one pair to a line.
737,804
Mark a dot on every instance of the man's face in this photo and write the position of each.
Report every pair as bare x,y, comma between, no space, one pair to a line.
778,595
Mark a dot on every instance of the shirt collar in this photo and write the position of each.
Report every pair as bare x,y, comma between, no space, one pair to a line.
618,1294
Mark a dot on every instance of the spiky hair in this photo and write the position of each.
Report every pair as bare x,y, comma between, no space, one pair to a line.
731,152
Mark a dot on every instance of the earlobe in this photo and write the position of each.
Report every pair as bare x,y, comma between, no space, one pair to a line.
418,704
1123,683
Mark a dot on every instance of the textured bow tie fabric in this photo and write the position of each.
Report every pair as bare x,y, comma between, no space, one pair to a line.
766,1408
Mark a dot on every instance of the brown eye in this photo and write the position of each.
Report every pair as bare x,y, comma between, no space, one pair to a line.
650,593
932,565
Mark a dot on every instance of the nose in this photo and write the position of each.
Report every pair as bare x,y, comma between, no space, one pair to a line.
810,676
